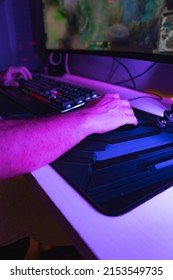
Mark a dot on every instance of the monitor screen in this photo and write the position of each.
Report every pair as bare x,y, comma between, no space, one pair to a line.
137,29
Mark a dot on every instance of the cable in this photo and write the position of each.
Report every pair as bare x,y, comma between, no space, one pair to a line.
132,78
128,71
144,96
139,75
112,71
66,63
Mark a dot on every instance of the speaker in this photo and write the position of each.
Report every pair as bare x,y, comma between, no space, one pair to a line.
56,63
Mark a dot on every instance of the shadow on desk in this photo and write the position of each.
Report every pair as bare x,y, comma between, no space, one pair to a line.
28,230
38,251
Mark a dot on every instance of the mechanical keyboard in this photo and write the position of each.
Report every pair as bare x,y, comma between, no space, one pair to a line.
62,96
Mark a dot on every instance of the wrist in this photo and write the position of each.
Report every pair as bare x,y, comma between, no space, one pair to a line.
86,121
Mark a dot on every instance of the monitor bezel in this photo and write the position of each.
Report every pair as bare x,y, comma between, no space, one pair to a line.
155,57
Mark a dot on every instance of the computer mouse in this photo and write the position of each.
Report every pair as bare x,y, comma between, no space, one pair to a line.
126,127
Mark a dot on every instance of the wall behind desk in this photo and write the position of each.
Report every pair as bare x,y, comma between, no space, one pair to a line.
143,75
18,45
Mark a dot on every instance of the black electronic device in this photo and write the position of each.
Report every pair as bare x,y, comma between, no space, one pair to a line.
61,96
110,28
55,62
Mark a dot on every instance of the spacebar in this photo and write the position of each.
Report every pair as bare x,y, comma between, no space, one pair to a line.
128,147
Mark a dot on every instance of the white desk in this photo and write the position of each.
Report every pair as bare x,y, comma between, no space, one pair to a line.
143,233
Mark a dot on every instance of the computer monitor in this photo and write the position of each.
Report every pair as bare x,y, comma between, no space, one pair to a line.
122,28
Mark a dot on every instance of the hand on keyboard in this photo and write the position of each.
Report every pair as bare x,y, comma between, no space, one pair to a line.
108,113
8,77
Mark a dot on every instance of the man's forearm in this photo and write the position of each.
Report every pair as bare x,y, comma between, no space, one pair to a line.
26,145
29,144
